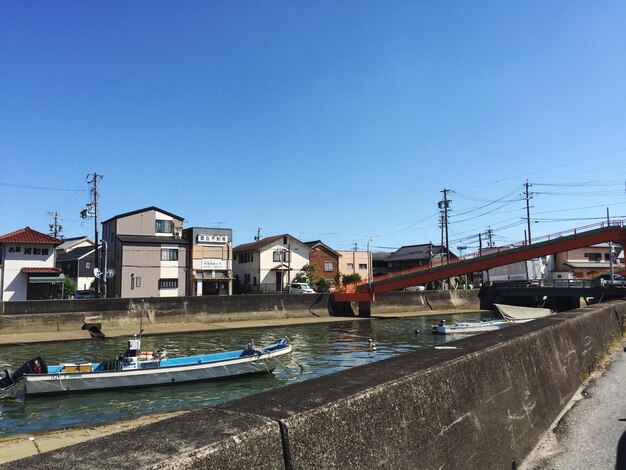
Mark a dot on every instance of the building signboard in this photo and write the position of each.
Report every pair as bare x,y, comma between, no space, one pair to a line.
208,264
207,238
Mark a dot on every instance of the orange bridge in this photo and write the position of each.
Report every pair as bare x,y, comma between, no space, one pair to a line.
364,291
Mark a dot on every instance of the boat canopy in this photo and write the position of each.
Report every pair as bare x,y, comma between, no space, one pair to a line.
514,312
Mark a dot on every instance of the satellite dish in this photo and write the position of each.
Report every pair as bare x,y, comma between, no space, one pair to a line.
97,272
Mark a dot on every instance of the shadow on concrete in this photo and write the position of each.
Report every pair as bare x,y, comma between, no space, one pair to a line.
620,463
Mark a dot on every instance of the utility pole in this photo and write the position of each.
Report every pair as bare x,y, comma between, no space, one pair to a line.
490,236
608,224
528,197
441,225
55,228
92,211
443,206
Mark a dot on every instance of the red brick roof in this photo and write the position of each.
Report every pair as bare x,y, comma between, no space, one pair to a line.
28,235
41,270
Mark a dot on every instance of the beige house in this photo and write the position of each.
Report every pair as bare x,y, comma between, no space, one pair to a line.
587,262
146,250
210,261
354,262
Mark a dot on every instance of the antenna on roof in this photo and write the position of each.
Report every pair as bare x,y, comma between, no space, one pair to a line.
258,234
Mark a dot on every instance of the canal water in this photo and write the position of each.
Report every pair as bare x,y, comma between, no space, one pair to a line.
319,349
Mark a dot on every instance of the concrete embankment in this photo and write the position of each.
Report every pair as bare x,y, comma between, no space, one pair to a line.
57,320
480,402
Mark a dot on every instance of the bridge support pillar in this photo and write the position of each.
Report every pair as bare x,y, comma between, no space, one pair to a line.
365,309
339,309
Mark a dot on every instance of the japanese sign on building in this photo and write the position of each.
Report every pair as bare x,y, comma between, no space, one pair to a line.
29,250
206,238
213,264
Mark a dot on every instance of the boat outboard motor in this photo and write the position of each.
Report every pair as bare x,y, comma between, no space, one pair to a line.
34,366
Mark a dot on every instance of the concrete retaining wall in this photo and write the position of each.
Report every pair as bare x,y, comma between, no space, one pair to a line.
70,315
483,405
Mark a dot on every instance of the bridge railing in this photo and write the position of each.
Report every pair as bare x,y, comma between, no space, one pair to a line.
559,283
350,288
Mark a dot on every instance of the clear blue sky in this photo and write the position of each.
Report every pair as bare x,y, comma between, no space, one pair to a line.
339,121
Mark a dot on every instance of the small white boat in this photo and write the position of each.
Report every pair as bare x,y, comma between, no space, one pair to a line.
469,327
136,368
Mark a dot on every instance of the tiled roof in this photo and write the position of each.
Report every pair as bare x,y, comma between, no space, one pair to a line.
41,270
76,253
28,235
261,243
415,252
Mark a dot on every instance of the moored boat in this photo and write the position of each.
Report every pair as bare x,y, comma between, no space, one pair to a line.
469,327
137,368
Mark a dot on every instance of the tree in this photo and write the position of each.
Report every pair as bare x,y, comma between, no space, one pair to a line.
349,278
308,274
69,287
322,285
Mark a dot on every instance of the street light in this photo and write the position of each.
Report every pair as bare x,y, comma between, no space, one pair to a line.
369,264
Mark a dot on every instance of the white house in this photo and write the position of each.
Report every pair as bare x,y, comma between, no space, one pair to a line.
269,265
27,266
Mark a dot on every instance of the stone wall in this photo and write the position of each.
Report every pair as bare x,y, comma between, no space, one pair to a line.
484,404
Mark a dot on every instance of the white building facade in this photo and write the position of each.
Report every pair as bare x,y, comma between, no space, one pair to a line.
269,264
27,266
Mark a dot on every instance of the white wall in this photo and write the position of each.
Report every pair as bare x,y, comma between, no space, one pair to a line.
15,283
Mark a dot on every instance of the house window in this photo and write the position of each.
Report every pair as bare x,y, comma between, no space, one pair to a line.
168,283
164,226
245,257
281,256
87,265
246,278
594,256
362,265
329,266
350,265
169,254
138,282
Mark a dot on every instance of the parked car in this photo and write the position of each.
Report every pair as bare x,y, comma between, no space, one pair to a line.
618,279
300,288
85,294
415,289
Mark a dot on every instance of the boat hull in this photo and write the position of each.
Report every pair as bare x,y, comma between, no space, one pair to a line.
61,382
466,328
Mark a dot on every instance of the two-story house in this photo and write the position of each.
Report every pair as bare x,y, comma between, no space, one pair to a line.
414,256
27,266
76,258
269,264
588,262
325,258
146,250
210,261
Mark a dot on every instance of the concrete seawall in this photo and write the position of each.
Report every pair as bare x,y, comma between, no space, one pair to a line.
71,315
483,404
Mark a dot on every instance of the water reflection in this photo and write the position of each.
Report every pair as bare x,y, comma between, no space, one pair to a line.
320,349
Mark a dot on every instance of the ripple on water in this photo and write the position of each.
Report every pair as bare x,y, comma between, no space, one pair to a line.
320,349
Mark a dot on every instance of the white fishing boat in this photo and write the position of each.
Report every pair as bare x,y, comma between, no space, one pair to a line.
469,327
137,368
511,315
